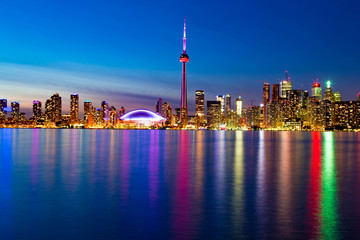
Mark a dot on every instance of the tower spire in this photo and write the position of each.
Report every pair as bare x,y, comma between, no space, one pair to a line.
184,38
184,58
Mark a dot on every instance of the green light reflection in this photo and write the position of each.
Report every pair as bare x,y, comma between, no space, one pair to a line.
329,205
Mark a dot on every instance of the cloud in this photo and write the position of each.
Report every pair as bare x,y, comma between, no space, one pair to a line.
129,88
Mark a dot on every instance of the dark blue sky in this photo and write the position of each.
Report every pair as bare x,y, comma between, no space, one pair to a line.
127,52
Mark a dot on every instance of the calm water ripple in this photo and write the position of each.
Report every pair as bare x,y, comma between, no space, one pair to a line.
142,184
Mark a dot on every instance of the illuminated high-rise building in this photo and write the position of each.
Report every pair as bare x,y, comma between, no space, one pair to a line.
3,106
328,95
74,108
53,108
285,86
337,97
87,111
266,93
15,110
275,92
266,100
184,58
239,106
113,116
159,107
316,90
227,104
121,112
104,112
213,114
199,107
168,114
36,109
199,102
221,99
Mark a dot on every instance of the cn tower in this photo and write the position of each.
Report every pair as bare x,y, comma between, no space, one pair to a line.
184,58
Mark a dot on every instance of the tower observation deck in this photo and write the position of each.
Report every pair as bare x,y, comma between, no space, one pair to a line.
184,58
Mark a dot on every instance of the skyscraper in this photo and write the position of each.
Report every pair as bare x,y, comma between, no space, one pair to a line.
316,90
121,112
221,99
113,116
3,106
184,58
239,106
337,97
36,109
15,110
199,102
227,104
285,86
87,111
328,95
159,107
104,112
74,108
213,114
275,92
266,93
199,107
53,108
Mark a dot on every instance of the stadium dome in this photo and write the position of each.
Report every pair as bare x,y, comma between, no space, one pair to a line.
142,115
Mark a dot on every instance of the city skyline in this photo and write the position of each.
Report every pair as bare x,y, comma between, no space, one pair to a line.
130,74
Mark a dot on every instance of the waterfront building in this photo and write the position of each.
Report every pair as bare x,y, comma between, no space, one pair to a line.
328,95
315,114
316,90
53,108
65,120
168,114
221,99
74,108
104,112
99,119
142,118
121,112
15,110
239,106
159,107
36,109
275,92
3,107
285,86
213,114
328,114
346,115
253,117
199,107
266,93
337,97
184,58
87,111
227,104
113,116
266,100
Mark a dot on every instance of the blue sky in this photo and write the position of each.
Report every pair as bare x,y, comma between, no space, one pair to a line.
127,52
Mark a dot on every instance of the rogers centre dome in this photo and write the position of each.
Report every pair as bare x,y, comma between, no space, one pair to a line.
142,115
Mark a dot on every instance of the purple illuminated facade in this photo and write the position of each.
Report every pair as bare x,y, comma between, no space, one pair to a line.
184,58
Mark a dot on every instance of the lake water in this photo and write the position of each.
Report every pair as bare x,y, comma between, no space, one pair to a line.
154,184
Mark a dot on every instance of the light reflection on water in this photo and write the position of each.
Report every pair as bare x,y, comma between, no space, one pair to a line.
83,184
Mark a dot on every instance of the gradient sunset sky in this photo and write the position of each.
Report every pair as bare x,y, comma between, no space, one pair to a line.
127,52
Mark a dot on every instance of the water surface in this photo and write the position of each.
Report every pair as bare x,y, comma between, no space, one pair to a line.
142,184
